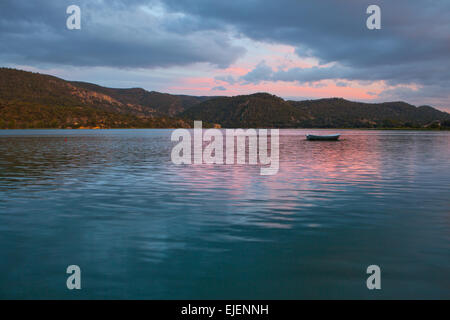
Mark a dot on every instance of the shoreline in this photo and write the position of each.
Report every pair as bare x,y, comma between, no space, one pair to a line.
173,128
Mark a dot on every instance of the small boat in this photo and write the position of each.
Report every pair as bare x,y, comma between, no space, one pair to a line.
330,137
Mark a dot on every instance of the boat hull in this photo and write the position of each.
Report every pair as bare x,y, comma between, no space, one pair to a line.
333,137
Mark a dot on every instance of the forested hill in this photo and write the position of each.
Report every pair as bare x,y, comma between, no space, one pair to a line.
341,113
32,100
249,111
265,110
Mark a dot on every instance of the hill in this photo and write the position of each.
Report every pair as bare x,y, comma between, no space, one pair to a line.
248,111
341,113
265,110
142,102
33,100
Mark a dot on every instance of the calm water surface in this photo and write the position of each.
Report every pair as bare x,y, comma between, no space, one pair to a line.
112,202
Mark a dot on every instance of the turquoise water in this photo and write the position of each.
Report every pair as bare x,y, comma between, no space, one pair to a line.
141,227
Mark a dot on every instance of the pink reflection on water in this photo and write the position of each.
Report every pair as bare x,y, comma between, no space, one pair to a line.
312,174
354,157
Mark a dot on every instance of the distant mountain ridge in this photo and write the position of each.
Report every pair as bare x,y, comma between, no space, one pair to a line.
33,100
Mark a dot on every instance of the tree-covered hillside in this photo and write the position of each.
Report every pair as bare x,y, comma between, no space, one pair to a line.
249,111
32,100
341,113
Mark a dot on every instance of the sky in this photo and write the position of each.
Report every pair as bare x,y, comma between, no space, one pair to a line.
298,49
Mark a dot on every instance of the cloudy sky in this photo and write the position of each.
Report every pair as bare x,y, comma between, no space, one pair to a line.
295,49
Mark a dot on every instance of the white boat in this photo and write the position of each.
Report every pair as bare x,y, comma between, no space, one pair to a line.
330,137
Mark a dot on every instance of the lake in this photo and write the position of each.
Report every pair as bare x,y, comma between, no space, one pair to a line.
140,227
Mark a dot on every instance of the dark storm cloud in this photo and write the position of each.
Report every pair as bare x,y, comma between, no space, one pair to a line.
413,45
123,33
114,33
426,73
412,30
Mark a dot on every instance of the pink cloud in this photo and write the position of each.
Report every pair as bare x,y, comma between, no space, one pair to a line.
236,71
205,86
